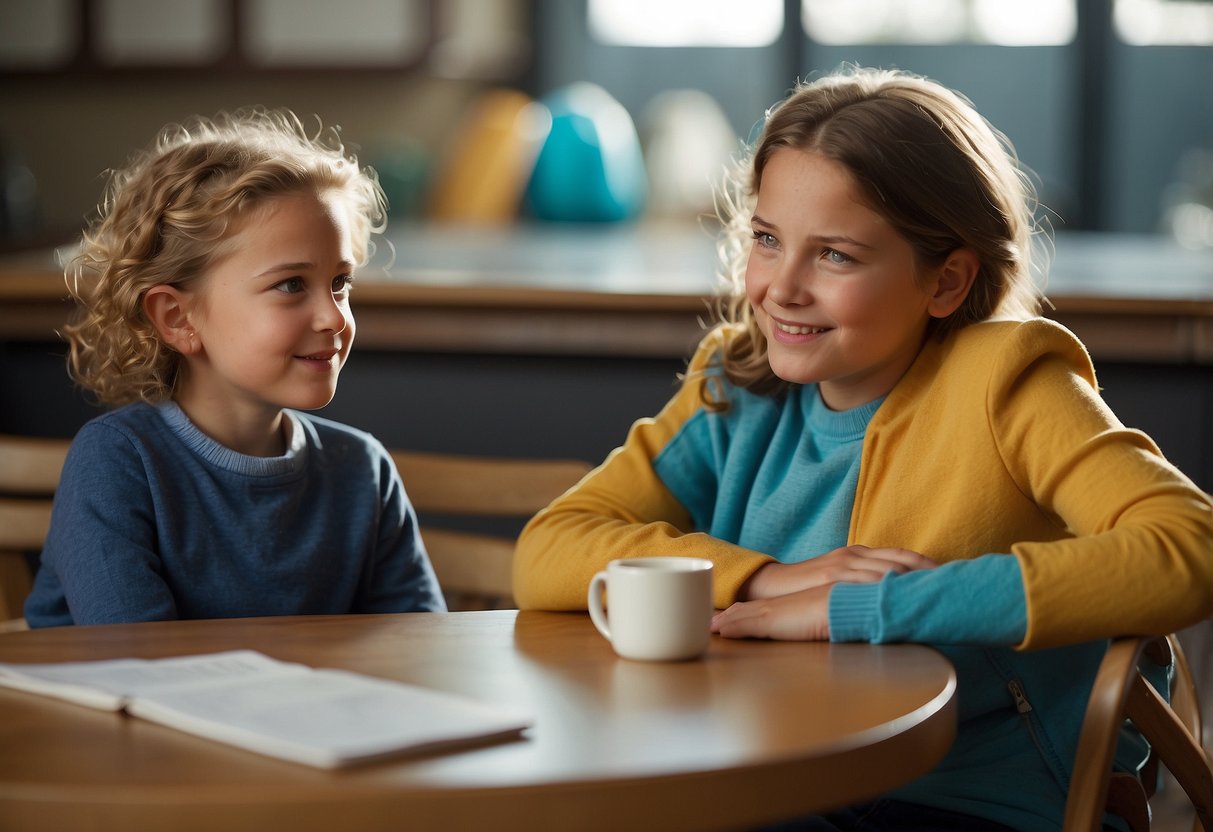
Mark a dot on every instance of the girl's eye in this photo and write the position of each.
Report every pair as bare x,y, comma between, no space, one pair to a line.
837,257
765,240
342,283
290,286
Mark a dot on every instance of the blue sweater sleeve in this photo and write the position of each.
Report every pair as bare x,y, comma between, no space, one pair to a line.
973,602
100,551
401,578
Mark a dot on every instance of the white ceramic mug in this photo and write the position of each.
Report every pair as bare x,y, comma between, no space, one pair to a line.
658,609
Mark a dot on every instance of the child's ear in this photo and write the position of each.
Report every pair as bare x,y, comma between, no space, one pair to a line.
953,281
168,309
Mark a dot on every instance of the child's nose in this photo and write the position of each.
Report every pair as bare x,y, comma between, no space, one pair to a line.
331,315
790,285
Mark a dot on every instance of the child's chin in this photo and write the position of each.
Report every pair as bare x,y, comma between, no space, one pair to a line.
310,402
793,374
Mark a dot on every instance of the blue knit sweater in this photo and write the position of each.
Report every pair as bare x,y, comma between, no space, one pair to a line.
154,520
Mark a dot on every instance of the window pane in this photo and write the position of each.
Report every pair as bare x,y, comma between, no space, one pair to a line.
686,22
1021,23
319,32
38,34
1025,22
1176,22
134,32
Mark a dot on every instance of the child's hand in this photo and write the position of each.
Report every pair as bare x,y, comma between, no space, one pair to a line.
850,564
801,616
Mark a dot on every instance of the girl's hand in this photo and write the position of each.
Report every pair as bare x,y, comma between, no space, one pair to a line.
800,616
850,564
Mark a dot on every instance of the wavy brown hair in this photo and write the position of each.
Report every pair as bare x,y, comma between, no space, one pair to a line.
922,158
165,218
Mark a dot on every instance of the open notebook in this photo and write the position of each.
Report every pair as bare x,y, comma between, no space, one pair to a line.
321,717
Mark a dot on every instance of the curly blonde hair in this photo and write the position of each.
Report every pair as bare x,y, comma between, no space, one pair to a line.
922,158
164,218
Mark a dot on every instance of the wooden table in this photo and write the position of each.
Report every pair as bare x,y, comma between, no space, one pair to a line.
754,732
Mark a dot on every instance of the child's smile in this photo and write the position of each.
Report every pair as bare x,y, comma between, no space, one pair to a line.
321,361
790,333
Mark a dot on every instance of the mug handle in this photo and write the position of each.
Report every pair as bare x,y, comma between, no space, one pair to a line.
594,602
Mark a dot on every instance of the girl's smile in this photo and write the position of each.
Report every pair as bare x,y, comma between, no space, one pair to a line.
792,333
321,361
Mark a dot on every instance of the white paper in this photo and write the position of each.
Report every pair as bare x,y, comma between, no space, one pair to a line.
325,718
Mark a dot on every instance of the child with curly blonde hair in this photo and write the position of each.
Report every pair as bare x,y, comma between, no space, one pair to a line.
214,309
883,442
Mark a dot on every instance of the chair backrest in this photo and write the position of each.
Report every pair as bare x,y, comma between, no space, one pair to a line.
475,566
29,474
1173,730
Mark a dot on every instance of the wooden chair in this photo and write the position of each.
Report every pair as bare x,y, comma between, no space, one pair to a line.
29,473
1173,730
474,567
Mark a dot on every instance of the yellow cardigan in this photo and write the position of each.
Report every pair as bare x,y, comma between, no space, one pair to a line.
994,441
